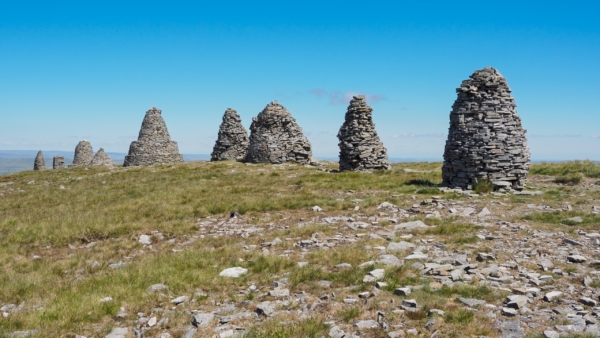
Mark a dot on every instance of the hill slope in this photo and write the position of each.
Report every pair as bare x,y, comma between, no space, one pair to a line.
90,250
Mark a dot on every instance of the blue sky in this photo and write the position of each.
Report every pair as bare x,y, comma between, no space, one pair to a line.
73,70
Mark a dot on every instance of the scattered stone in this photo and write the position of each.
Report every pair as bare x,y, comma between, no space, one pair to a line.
232,142
157,288
279,293
360,146
572,242
402,291
101,159
39,163
416,255
83,154
470,302
154,144
576,219
202,319
410,225
366,324
374,276
265,308
550,296
551,334
179,300
576,259
482,257
233,272
145,240
484,212
485,138
118,332
588,301
509,312
400,246
516,301
336,332
275,137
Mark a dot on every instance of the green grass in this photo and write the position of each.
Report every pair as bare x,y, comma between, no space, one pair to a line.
586,168
483,187
570,179
461,317
562,217
349,313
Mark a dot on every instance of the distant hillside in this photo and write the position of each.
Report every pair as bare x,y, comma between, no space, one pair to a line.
12,161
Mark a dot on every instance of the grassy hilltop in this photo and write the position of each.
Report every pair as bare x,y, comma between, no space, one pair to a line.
70,238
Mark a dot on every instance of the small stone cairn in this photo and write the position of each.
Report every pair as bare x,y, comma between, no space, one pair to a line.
39,163
232,143
101,158
154,145
360,147
83,154
58,162
275,137
485,140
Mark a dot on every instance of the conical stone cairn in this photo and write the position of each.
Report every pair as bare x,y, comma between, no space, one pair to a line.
276,138
101,158
154,145
39,163
360,147
232,143
83,154
485,140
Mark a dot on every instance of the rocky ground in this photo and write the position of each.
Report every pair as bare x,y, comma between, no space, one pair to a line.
449,263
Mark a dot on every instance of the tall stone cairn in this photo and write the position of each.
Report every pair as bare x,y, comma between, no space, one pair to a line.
101,158
232,143
154,145
39,163
360,147
275,137
485,138
83,154
58,162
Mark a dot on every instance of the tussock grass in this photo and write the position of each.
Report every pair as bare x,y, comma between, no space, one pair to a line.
562,217
586,168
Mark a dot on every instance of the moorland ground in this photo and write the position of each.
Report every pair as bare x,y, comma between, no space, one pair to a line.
71,238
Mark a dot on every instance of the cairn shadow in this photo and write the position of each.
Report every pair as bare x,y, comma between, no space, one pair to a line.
422,183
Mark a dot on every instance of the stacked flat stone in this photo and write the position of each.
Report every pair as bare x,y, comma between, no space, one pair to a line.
83,154
58,162
485,140
360,147
154,144
232,143
275,137
101,158
39,163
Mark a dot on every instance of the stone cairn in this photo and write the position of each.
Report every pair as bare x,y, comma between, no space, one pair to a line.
83,154
275,137
360,147
101,158
485,138
154,145
232,143
39,163
58,162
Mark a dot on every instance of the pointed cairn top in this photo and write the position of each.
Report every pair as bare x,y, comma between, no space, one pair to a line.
83,154
232,142
39,163
275,137
360,146
101,158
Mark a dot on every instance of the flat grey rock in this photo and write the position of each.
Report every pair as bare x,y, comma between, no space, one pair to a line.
410,225
366,324
470,302
233,272
202,319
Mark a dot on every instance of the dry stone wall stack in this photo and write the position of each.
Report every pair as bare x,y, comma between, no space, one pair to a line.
275,137
154,144
232,142
58,162
39,163
83,154
485,139
360,147
101,158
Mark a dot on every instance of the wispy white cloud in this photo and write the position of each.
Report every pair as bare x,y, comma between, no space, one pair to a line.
343,98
